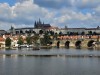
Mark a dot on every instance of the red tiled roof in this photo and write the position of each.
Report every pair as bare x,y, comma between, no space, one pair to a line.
2,39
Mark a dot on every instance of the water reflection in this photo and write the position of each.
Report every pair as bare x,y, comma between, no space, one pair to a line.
13,64
49,66
52,52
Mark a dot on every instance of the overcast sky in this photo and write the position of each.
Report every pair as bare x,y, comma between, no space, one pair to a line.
72,13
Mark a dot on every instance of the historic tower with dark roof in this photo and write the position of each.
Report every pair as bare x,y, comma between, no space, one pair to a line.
39,24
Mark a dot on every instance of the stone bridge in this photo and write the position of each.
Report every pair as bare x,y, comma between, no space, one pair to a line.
77,43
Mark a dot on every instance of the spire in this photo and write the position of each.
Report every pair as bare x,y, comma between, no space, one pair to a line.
66,27
39,21
98,27
12,27
35,24
12,30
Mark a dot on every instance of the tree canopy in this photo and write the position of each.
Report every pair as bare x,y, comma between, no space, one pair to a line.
8,42
28,40
20,41
46,40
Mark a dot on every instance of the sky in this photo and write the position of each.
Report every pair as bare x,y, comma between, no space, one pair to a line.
59,13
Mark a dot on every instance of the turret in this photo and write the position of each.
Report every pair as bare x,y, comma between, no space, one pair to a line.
35,24
39,21
12,30
98,27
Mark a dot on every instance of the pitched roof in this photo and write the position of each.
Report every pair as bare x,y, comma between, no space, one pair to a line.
2,39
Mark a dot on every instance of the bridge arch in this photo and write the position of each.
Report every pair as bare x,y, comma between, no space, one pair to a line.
58,44
90,44
78,44
67,43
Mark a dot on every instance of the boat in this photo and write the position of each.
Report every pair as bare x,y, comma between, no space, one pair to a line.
36,48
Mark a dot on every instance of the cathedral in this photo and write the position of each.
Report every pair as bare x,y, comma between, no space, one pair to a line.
39,24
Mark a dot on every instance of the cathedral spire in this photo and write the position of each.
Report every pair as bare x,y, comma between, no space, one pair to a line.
35,24
39,21
12,27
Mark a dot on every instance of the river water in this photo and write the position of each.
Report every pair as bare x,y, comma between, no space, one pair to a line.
31,65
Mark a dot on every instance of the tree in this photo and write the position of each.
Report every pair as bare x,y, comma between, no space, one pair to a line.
20,41
52,33
83,33
35,38
94,33
55,36
68,33
8,42
90,32
46,40
60,33
71,33
28,40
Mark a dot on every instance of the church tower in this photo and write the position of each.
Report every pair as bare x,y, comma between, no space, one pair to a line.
12,30
35,24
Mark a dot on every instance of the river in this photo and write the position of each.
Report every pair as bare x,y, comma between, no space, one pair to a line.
31,65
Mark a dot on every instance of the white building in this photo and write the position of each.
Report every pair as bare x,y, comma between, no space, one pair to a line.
2,42
26,30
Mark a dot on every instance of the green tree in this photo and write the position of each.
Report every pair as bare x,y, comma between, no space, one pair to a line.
94,33
28,40
46,40
8,42
83,33
60,33
52,33
55,36
20,41
90,32
35,38
68,33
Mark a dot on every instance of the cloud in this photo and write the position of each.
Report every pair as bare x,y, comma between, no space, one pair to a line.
70,12
80,4
73,19
24,13
87,4
53,3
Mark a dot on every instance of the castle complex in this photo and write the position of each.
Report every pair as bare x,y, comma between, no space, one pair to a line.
39,25
64,33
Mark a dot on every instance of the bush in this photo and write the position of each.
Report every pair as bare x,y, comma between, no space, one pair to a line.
8,42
